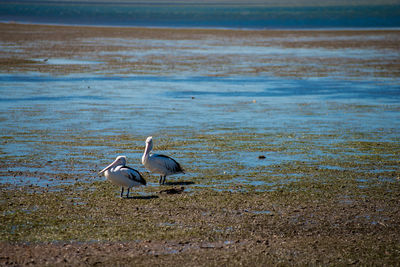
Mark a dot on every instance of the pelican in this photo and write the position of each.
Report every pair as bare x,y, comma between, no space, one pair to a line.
120,174
160,164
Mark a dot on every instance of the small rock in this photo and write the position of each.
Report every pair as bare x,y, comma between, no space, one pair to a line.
172,191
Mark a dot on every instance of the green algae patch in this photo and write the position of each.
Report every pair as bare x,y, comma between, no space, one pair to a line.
350,190
333,218
342,207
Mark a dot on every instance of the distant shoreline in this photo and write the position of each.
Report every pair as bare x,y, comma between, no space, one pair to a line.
205,28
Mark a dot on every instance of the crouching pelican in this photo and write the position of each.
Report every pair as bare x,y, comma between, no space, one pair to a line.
160,164
120,174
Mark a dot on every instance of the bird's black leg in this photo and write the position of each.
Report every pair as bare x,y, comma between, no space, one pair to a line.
160,180
163,182
122,191
127,194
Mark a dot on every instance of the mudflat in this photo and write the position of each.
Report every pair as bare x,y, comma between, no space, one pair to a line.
206,52
268,180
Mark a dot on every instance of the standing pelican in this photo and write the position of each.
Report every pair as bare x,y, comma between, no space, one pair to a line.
160,164
120,174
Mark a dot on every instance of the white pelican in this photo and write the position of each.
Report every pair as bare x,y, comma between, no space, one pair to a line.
160,164
120,174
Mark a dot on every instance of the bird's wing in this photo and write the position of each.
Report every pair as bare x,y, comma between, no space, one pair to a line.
132,174
169,163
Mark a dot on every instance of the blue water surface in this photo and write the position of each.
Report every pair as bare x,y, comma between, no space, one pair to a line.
200,15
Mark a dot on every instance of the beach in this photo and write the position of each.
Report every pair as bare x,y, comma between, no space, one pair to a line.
289,140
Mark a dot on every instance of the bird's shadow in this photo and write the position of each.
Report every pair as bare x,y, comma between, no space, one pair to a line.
143,197
179,183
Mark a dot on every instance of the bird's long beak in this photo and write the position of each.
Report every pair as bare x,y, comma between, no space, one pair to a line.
108,167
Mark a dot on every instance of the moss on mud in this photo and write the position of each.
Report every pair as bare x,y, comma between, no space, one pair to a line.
323,215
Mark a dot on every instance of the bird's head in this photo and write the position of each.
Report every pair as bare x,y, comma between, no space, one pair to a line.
149,140
149,143
120,160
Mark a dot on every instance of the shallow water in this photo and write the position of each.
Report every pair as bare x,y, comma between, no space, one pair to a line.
213,126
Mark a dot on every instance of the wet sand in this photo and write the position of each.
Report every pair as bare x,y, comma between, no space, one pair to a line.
326,193
199,52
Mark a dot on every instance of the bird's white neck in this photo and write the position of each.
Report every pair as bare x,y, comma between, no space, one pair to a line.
146,153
